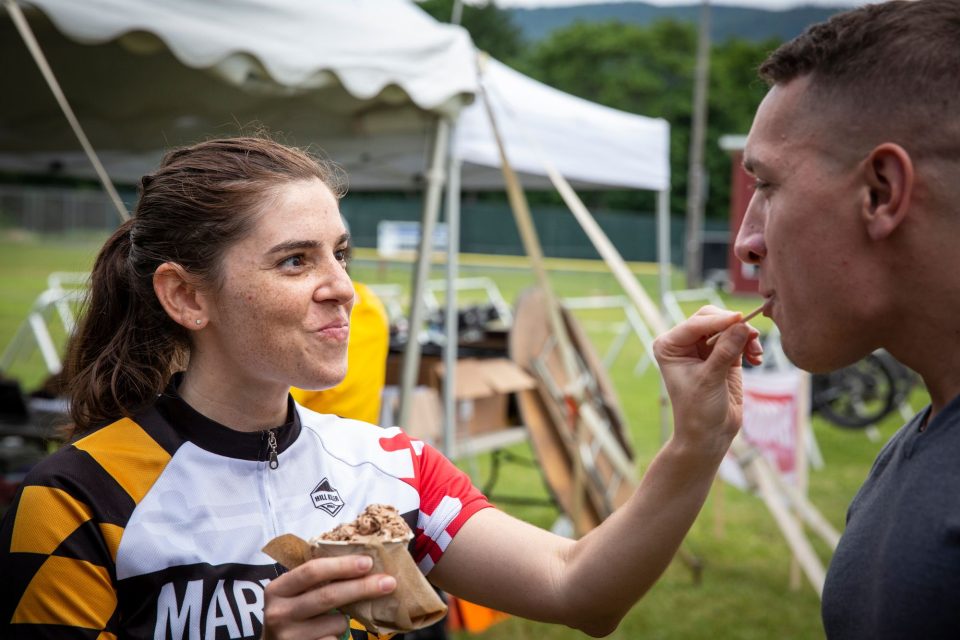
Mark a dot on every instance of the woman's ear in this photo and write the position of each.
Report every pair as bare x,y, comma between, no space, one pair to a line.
179,297
889,174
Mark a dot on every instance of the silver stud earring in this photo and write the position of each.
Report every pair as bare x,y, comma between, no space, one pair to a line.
199,321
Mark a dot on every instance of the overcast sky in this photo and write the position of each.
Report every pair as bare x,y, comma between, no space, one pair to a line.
760,4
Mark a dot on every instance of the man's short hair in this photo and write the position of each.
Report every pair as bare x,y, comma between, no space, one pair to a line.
896,60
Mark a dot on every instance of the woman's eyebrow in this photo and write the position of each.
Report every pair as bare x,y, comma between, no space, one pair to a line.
301,245
295,245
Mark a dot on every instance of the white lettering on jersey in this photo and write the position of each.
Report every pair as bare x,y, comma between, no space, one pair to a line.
219,601
220,612
169,615
245,608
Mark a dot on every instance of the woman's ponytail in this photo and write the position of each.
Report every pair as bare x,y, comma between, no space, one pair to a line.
118,359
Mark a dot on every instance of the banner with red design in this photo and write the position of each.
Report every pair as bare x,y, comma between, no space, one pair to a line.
771,408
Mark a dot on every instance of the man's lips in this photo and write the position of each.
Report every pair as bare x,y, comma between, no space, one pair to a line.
768,304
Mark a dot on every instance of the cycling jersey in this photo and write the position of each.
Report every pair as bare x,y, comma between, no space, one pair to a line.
153,527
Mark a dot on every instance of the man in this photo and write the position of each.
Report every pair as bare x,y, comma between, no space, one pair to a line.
855,224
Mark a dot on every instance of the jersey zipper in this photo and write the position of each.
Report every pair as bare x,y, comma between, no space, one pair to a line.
272,464
272,442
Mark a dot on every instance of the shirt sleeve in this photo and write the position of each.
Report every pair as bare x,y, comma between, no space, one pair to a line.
447,501
58,557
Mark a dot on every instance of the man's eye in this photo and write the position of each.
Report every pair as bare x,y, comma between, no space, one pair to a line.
759,185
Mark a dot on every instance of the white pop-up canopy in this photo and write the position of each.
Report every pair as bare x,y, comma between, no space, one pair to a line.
169,73
591,145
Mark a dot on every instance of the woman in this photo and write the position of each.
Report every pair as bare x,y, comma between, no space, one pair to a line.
150,524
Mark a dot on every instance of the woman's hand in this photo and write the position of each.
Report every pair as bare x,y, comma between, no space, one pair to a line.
297,604
705,382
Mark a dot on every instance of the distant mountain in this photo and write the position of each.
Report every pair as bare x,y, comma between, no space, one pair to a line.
726,22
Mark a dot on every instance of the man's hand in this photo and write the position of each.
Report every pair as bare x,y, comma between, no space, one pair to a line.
297,605
705,382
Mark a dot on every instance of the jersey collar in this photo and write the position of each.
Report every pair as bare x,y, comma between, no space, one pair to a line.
220,439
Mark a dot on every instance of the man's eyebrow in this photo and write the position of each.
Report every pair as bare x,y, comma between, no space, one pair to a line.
751,164
344,239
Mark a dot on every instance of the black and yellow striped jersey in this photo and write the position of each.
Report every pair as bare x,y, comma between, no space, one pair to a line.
153,527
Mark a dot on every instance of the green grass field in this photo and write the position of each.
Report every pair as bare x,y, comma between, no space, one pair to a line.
744,593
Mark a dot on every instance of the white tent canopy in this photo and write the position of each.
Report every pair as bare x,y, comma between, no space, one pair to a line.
588,143
285,47
367,100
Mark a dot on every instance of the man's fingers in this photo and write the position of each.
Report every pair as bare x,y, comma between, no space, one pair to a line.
315,572
336,594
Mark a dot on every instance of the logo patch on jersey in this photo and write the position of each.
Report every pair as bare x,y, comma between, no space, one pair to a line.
325,497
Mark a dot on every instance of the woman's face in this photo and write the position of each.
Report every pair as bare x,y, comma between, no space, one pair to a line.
282,316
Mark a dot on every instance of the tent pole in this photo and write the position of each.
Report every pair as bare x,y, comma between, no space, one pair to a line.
31,41
663,256
431,211
451,345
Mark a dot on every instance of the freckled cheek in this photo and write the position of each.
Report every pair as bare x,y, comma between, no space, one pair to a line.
269,304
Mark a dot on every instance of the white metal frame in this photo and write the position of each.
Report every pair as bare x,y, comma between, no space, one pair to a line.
672,300
469,284
34,332
633,324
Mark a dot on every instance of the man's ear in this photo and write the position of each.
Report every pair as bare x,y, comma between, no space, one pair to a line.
179,296
889,176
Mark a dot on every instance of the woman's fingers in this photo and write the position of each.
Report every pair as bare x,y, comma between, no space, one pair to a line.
297,603
336,594
728,350
316,572
697,327
331,625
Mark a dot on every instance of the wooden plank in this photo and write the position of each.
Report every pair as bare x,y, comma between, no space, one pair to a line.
762,475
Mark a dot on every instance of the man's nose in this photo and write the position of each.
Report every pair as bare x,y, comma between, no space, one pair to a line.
750,246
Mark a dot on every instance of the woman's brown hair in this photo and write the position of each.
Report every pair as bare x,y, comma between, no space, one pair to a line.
203,199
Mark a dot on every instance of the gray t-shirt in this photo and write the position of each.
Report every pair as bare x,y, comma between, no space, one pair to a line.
896,572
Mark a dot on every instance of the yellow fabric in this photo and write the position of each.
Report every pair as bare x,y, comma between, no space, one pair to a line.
358,396
127,453
106,635
111,535
69,592
356,626
45,518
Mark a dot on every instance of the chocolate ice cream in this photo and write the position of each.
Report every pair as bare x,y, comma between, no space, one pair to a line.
378,521
413,605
